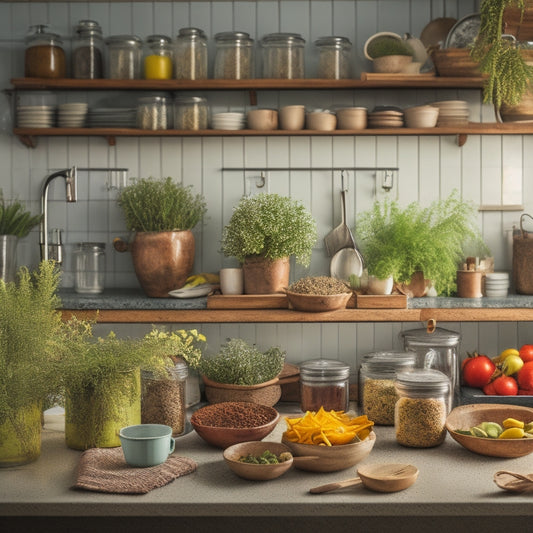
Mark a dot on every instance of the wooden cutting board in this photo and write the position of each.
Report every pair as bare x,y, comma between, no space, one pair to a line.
379,301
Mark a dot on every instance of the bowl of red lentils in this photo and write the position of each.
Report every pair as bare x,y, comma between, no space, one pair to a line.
227,423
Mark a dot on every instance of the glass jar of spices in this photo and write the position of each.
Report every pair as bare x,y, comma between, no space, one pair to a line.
88,51
334,57
283,55
234,58
44,56
190,113
158,58
154,113
124,57
324,383
422,407
190,59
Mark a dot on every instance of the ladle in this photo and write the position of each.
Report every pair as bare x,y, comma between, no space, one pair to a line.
378,477
514,482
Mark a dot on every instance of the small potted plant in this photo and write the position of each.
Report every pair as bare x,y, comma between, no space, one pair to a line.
162,214
241,372
432,240
389,54
263,232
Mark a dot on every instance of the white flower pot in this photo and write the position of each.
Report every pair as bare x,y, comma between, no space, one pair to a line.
379,286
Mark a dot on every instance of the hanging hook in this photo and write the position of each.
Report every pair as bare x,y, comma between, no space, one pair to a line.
344,188
262,181
431,325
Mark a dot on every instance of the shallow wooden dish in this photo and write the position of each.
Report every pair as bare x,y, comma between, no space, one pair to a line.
316,303
253,471
331,458
466,416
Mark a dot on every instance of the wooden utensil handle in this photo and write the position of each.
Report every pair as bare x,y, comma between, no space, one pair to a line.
337,485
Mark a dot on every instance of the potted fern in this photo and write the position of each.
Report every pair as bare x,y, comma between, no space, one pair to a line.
162,214
263,232
389,54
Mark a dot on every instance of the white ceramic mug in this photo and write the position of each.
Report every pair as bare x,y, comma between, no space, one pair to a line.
231,281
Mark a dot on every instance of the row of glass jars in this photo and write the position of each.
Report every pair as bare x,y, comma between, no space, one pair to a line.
186,58
182,113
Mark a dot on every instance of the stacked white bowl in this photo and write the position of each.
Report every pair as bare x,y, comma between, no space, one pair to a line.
452,112
496,284
72,115
228,121
36,116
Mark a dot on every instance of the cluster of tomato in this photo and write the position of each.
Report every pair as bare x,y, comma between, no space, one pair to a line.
508,374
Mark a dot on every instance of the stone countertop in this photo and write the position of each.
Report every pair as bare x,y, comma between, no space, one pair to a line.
455,489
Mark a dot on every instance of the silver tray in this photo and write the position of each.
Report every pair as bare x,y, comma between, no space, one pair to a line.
463,32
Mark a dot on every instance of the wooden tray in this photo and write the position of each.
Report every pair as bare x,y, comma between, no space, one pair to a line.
247,301
378,301
369,76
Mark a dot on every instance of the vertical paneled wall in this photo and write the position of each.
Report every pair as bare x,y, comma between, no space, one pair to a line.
487,170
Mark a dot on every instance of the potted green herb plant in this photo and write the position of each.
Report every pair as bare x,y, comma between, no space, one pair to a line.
433,240
389,54
263,232
30,345
15,223
162,214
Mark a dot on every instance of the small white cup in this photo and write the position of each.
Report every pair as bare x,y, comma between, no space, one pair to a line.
231,281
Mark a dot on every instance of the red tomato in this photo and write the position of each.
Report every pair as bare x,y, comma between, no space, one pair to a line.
505,386
525,392
489,390
477,371
526,353
525,376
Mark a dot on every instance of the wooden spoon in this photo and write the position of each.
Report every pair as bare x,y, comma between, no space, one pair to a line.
378,477
514,482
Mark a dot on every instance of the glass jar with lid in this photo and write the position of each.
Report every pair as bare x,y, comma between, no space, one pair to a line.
334,57
234,58
190,113
377,392
324,383
124,57
44,56
283,55
154,113
422,407
158,57
89,267
190,59
88,51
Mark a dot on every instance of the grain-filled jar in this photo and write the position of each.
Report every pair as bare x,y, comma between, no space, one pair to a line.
234,58
158,58
163,398
190,113
377,391
88,51
190,57
324,383
124,57
283,55
422,407
334,57
154,113
44,56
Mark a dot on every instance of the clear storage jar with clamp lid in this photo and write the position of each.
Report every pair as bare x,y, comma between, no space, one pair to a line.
190,113
124,53
44,56
377,392
234,58
324,383
158,57
190,58
283,55
154,113
334,57
88,51
89,267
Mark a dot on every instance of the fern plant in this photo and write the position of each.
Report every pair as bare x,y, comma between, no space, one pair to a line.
15,219
388,46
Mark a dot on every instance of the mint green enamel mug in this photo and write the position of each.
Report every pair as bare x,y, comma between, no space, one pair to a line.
146,444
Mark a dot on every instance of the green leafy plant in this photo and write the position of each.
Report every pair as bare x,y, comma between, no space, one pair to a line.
388,46
14,219
398,242
238,363
160,205
272,226
509,76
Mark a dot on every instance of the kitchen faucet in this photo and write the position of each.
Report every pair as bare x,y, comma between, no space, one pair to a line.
55,249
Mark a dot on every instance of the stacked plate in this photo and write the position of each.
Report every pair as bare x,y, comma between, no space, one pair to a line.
36,116
72,115
228,121
112,117
452,112
496,284
387,118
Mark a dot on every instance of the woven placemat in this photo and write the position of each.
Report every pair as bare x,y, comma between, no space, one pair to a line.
105,470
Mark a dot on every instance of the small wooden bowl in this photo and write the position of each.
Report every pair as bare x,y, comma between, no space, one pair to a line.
318,303
267,393
467,416
253,471
330,458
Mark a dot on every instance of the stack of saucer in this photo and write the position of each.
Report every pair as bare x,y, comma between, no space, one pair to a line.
496,284
36,116
388,118
452,112
228,121
112,117
72,115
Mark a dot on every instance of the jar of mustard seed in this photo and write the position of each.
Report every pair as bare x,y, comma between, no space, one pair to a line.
324,383
283,55
234,58
190,113
44,56
124,54
422,407
334,57
190,58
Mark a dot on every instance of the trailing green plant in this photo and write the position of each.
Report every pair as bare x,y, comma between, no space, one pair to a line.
388,46
509,76
272,226
239,363
398,242
160,205
15,219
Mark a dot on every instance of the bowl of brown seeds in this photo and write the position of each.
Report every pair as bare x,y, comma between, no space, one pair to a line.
318,294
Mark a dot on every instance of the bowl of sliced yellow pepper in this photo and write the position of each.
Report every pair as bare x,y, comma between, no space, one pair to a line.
333,440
